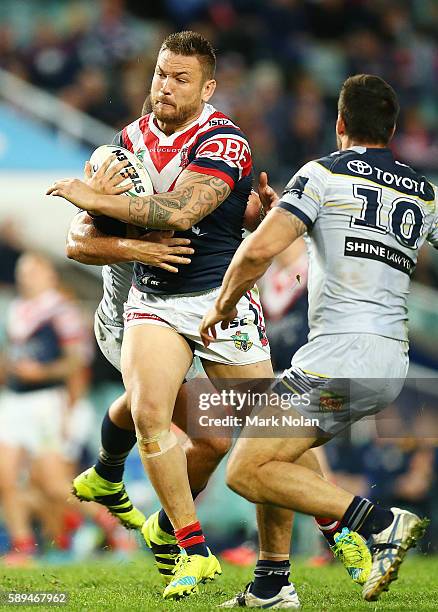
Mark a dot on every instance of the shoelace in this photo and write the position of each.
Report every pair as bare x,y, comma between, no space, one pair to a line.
181,563
352,553
240,597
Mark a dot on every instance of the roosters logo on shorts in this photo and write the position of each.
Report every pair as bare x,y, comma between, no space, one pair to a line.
242,341
330,402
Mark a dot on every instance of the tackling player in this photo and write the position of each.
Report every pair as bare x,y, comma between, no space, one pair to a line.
366,216
103,241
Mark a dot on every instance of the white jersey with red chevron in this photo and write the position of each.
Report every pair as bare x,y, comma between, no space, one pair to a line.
212,134
212,145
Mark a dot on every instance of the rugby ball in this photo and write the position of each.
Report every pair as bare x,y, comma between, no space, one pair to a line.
134,172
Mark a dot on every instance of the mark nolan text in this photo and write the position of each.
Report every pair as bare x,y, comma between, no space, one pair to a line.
283,420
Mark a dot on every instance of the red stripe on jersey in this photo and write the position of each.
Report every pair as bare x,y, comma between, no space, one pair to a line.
126,140
162,154
143,123
211,171
261,324
223,134
246,170
185,136
172,187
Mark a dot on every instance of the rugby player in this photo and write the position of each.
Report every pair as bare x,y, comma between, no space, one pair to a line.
200,165
103,241
366,216
200,156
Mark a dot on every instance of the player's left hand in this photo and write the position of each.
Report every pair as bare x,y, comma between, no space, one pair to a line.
207,329
75,191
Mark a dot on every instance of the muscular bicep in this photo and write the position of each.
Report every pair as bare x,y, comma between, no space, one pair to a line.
195,196
90,240
84,226
204,193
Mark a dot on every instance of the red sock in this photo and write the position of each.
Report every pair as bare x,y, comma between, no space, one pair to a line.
25,545
62,541
192,539
328,528
72,520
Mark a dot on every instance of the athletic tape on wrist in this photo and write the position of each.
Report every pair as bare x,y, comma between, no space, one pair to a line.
156,445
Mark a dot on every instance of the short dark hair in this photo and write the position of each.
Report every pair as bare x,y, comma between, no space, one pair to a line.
192,43
369,108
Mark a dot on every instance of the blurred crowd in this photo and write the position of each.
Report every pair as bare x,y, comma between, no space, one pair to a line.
280,65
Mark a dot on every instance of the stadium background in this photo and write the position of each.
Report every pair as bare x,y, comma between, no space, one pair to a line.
72,73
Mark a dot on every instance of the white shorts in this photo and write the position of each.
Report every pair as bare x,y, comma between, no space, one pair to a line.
242,343
33,420
109,337
346,377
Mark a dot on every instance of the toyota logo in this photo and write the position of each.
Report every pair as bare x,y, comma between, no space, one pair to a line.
359,167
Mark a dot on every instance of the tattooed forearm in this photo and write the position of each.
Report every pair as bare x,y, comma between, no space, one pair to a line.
137,208
195,196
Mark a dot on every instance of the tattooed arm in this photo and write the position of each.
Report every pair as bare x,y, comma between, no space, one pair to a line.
250,262
195,196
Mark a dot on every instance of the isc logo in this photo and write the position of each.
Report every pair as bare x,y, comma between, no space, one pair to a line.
228,149
238,322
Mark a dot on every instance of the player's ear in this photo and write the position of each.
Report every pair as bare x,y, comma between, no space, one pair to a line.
340,126
208,89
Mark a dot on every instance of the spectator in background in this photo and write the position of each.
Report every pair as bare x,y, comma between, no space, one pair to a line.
284,295
10,251
45,336
96,57
111,38
52,63
415,144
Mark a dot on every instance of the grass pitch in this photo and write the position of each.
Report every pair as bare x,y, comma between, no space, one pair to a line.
135,585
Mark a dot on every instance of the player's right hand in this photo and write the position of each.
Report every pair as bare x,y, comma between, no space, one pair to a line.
105,180
161,250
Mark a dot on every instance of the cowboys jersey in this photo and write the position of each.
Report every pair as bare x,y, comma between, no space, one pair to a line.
367,215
